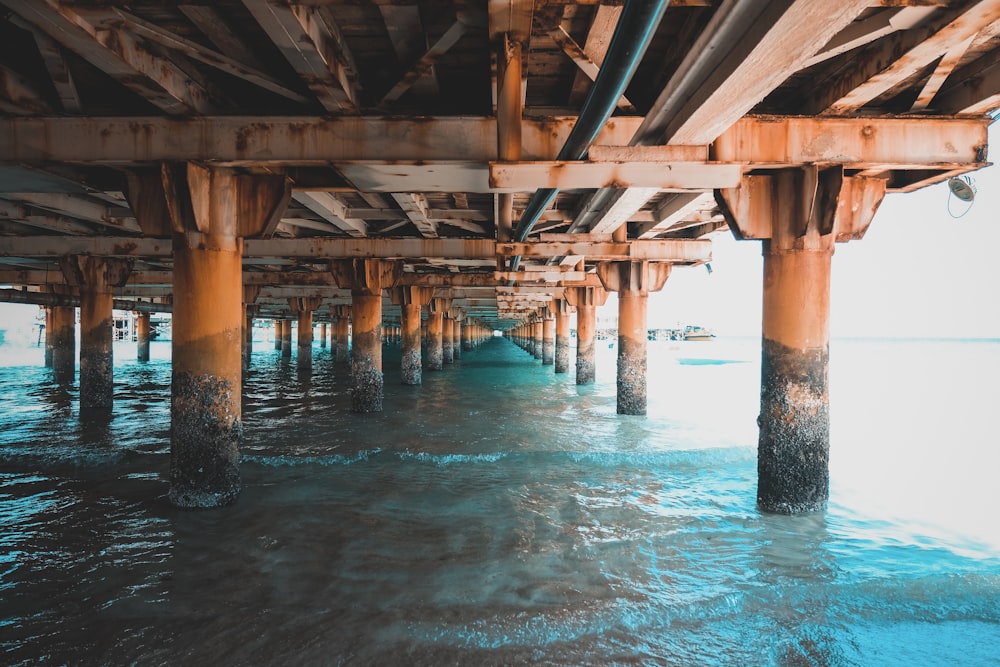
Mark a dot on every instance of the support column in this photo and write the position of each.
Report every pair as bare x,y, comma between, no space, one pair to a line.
322,334
633,281
366,278
448,338
538,338
207,211
303,307
48,336
142,336
467,333
96,277
799,214
562,311
277,334
63,337
456,337
250,294
342,332
410,298
286,339
548,338
435,333
586,300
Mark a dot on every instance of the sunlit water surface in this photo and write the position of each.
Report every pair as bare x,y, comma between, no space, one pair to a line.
499,514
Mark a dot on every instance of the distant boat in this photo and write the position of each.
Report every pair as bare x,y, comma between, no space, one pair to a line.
698,333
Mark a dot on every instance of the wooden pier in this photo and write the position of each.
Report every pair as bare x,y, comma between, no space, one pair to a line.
477,166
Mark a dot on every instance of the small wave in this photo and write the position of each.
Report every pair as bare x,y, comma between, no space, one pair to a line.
330,460
449,459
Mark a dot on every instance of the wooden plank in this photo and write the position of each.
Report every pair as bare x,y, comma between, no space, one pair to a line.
681,251
596,47
942,71
406,32
117,54
425,63
529,176
59,73
859,89
328,207
207,56
306,41
415,208
586,66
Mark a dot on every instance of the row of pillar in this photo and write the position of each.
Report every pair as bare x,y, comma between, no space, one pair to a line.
208,211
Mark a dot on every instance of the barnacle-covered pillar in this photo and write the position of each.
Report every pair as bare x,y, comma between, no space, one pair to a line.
341,333
410,299
142,336
435,333
366,278
207,211
562,312
633,281
96,277
62,333
799,214
548,336
586,300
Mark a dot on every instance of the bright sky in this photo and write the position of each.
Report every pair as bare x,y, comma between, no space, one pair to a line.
918,272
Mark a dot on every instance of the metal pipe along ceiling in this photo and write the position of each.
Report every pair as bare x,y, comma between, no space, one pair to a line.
635,29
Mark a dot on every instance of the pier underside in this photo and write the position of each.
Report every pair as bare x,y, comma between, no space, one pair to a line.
475,167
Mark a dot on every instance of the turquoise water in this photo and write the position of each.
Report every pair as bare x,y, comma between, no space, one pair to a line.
499,514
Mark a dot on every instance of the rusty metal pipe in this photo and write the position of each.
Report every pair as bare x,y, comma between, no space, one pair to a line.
632,35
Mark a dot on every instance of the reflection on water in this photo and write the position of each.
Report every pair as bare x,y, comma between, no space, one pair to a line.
496,515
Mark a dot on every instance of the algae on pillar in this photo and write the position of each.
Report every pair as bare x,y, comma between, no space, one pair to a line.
96,278
410,299
447,338
63,336
207,211
633,281
586,300
435,333
799,214
142,336
366,278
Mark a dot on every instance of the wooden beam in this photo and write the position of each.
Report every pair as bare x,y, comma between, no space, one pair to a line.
875,27
59,73
859,89
277,141
328,207
81,207
20,96
406,32
596,47
213,59
746,51
310,43
529,176
425,63
587,66
119,55
972,89
415,208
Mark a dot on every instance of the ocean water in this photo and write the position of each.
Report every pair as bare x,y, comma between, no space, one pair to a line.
499,514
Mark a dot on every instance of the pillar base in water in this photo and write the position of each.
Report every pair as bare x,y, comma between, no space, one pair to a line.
205,439
793,452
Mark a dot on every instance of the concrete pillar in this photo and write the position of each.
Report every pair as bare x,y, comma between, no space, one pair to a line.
586,300
548,339
63,336
48,336
207,211
322,334
303,307
341,333
142,336
435,355
562,310
633,281
456,337
277,334
448,339
538,338
410,299
250,294
366,278
467,333
96,278
286,338
799,214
